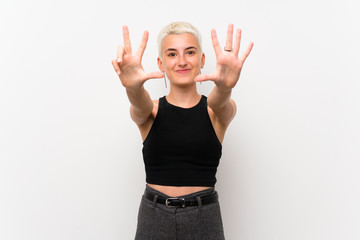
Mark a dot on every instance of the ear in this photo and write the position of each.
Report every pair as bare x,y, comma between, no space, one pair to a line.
160,64
202,60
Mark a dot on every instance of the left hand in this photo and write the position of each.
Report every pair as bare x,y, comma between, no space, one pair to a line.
228,64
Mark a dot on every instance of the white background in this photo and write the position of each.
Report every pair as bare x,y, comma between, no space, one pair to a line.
71,165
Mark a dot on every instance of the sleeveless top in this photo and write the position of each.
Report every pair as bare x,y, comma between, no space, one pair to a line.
182,148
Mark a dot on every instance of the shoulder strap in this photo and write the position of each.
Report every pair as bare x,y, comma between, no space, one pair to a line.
161,109
161,106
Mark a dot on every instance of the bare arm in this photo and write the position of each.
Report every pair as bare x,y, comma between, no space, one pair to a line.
222,105
141,105
132,76
226,75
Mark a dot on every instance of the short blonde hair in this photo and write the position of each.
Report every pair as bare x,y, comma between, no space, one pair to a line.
178,28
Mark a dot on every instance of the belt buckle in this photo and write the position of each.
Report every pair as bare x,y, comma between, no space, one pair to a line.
169,200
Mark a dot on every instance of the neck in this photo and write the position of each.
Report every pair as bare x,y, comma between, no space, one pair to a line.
184,96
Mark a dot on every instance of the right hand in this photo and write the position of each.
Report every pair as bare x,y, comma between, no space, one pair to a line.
128,64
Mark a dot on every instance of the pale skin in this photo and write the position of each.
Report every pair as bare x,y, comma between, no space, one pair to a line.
181,60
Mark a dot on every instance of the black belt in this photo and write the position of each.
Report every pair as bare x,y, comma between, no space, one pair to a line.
182,202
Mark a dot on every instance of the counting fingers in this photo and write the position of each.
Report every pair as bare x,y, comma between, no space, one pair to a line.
237,42
229,38
116,66
247,52
120,54
143,43
127,43
215,43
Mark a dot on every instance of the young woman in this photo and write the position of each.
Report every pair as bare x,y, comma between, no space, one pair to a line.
182,132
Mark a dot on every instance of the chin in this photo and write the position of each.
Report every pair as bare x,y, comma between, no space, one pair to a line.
184,81
183,84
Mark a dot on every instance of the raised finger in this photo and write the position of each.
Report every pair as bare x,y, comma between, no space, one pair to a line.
127,43
116,66
215,42
247,52
143,43
229,38
237,42
120,53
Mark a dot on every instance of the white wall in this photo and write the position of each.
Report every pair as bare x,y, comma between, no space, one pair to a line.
71,156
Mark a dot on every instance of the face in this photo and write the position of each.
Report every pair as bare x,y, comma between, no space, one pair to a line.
181,58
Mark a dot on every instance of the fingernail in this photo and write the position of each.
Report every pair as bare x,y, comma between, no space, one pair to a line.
119,60
118,72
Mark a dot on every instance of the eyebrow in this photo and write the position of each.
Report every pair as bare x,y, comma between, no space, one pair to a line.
173,49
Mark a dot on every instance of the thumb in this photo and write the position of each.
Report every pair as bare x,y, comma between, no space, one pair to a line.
205,77
154,75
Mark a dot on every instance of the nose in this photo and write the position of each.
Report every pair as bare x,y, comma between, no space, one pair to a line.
182,62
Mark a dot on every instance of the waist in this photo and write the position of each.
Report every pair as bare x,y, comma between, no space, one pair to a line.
196,199
180,174
175,191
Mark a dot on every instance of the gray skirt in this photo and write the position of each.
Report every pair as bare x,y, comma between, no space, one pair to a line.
156,221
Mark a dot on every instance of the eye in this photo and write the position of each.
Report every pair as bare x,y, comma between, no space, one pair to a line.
172,54
191,52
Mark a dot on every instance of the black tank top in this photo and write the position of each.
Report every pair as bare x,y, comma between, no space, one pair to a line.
182,148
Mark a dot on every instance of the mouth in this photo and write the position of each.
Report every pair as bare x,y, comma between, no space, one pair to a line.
183,71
